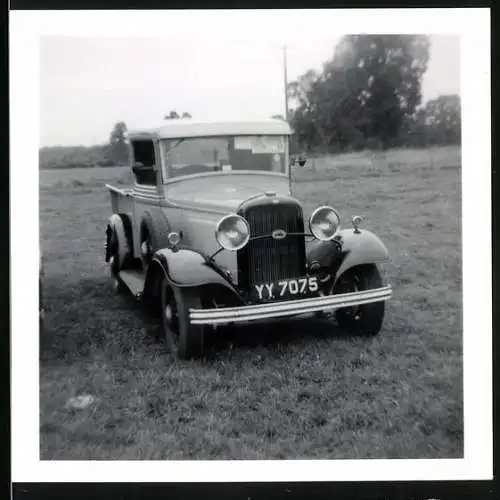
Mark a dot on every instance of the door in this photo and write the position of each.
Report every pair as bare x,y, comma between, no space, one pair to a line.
147,188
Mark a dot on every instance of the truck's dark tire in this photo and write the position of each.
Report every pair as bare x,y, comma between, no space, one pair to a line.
183,339
363,320
114,253
152,290
119,243
114,265
154,234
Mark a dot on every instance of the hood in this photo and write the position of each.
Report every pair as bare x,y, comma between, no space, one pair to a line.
223,192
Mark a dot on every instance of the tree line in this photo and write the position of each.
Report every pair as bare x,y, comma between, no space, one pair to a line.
116,152
368,95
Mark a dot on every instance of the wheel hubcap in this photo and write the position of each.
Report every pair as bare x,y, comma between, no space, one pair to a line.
112,265
113,258
348,285
116,284
145,248
169,314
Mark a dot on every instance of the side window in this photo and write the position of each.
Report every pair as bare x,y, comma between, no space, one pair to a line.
144,162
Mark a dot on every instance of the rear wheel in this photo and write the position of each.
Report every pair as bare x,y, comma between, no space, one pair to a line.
114,263
182,338
119,248
365,319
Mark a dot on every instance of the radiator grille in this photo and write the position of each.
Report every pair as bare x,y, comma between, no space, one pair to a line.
264,260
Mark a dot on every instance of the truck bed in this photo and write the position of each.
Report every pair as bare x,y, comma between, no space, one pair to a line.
121,199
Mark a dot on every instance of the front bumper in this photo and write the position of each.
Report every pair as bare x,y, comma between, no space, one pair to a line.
287,308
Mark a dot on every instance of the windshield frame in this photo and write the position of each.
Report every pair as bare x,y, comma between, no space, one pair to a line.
165,170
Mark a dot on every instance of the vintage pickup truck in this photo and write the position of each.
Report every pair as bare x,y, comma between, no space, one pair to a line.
210,234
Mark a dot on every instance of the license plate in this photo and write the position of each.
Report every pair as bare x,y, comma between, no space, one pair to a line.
286,289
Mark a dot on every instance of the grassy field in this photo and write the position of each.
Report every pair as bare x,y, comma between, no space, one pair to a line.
297,389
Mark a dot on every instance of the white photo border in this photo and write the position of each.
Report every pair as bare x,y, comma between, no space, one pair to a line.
473,26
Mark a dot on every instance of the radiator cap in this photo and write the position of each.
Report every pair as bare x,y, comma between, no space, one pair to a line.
270,193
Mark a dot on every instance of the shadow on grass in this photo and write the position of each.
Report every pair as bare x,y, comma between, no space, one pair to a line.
272,334
87,317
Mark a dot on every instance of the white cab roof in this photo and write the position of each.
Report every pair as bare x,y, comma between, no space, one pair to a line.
183,128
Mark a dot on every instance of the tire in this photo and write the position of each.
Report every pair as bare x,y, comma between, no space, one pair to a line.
366,319
118,286
182,339
152,292
154,235
121,236
114,264
114,253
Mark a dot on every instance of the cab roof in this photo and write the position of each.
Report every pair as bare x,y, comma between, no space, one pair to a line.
187,128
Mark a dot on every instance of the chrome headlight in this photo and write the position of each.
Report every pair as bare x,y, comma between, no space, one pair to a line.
324,223
232,232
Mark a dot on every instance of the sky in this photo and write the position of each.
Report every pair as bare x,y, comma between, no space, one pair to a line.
89,83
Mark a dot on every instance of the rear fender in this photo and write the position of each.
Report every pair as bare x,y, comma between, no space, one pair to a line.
360,248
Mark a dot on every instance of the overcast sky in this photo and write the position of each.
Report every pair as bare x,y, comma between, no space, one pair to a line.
89,83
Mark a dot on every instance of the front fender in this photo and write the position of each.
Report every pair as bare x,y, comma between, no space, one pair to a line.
188,268
360,248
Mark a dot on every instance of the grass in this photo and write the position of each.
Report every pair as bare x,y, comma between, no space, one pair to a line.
288,390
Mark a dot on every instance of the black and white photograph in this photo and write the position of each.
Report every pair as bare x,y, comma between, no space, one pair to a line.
252,232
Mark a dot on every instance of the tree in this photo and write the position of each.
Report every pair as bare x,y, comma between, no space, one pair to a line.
436,123
118,148
443,120
173,115
368,88
387,71
306,118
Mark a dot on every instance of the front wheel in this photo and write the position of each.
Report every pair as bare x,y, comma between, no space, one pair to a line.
365,319
182,338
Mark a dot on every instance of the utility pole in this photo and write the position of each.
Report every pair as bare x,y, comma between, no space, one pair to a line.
285,76
285,82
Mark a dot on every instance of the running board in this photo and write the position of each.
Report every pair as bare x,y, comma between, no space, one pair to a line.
134,280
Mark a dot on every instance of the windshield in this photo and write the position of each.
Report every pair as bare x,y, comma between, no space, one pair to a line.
225,154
